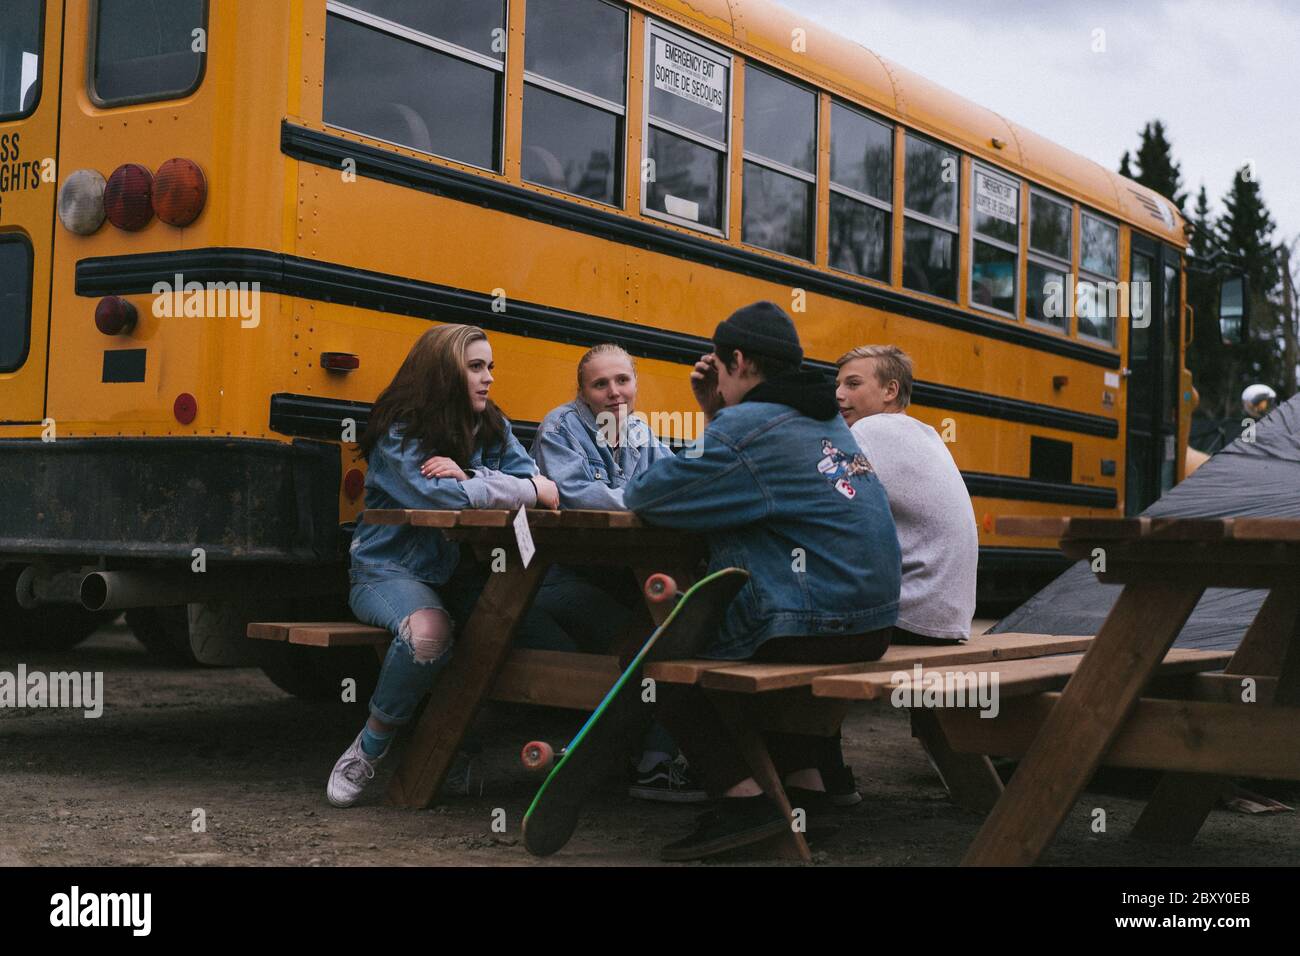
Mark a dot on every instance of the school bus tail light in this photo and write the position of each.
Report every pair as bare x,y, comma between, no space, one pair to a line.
128,197
81,202
339,361
115,316
179,192
354,484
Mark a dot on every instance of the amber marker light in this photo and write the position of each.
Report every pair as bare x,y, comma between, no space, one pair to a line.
127,197
179,192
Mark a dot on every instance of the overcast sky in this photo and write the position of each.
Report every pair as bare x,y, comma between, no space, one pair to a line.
1223,75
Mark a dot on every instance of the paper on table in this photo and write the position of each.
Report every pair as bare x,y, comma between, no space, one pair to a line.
524,537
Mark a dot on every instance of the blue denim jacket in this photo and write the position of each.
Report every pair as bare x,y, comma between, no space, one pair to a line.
497,478
589,473
790,499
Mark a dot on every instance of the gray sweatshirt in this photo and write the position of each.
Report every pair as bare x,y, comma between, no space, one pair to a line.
936,523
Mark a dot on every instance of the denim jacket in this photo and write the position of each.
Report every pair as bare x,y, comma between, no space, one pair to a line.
496,478
589,473
789,498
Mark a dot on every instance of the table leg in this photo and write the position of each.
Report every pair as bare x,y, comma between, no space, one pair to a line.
1082,724
970,779
787,846
1180,804
478,655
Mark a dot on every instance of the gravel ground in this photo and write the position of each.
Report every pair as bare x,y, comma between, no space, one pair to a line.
124,788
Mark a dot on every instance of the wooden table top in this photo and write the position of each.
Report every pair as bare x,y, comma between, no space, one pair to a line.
1269,530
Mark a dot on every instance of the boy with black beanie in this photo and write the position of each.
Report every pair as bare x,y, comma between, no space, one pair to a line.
781,490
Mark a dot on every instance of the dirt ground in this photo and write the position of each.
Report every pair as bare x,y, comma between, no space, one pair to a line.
122,789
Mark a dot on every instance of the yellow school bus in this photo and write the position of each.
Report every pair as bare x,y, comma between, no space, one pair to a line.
223,223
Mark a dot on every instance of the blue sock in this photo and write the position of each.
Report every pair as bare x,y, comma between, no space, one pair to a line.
373,742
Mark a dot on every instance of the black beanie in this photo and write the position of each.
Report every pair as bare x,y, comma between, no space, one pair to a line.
763,329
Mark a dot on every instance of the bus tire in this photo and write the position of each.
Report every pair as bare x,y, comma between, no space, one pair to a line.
164,632
320,673
56,627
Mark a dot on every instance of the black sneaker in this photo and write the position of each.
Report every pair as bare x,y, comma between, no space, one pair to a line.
669,781
733,823
841,788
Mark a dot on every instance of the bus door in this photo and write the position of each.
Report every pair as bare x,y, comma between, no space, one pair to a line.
29,117
1153,360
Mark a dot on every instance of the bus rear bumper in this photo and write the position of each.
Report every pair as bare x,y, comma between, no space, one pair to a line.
240,500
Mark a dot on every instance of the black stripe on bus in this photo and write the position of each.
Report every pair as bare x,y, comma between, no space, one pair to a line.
331,282
310,417
324,149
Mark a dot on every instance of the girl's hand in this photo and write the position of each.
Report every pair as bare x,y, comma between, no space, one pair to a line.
439,467
548,495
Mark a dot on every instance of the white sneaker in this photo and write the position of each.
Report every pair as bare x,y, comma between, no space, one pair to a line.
350,775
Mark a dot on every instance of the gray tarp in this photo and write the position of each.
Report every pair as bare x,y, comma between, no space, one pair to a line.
1259,478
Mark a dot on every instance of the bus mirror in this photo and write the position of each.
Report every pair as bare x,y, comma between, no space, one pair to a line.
1234,314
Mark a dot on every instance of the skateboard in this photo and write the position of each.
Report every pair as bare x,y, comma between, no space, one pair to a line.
622,717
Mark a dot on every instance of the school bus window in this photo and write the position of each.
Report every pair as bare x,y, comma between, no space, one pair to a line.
1098,293
575,69
779,196
145,50
15,301
930,208
1050,226
20,58
862,179
995,235
687,136
477,25
387,79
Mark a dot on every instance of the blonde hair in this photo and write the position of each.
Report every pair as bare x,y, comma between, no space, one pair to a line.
892,365
605,348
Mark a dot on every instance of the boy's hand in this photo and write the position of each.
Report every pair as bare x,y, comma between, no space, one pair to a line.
704,383
439,467
548,494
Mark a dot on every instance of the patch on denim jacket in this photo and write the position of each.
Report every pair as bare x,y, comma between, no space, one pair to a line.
838,467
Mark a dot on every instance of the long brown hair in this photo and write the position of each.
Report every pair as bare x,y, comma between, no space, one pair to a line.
429,398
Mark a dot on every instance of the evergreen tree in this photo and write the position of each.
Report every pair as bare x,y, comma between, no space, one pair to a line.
1126,166
1156,167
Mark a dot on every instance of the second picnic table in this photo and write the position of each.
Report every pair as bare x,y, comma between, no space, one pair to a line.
1200,736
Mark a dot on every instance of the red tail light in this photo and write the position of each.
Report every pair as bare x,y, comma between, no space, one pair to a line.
127,197
179,192
115,316
354,484
339,361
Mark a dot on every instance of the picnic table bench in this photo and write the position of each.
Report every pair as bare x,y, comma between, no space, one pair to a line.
1200,728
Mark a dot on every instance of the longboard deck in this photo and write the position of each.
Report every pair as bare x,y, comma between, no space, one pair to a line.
615,725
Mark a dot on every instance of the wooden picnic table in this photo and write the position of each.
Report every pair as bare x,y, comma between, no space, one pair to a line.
1199,737
602,538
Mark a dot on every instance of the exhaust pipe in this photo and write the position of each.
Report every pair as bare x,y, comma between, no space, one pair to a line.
38,586
120,590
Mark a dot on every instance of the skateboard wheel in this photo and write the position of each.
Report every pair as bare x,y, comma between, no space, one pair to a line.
537,755
660,588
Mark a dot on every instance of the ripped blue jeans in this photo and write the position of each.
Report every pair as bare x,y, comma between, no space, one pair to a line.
413,661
